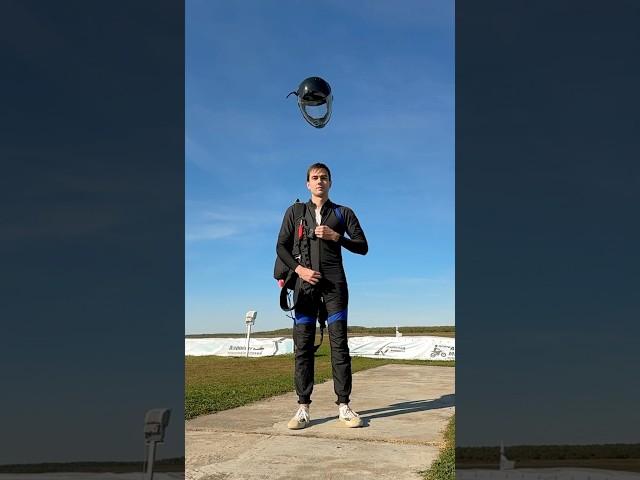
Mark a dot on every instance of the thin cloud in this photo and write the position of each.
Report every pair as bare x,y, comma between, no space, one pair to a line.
210,232
224,222
254,218
402,282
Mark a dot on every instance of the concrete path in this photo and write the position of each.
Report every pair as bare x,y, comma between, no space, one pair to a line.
404,409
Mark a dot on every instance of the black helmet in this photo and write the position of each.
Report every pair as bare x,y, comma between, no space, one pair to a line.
314,92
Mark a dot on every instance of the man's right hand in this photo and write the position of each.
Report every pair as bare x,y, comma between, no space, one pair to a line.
308,275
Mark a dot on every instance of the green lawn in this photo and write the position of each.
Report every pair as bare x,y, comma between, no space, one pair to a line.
619,456
219,383
444,467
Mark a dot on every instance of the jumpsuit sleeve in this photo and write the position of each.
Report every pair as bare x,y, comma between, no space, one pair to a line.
357,242
285,240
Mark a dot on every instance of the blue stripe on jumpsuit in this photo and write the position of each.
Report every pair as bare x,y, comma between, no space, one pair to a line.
334,317
301,318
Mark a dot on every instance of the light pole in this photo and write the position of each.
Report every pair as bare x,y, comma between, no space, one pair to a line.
249,320
155,424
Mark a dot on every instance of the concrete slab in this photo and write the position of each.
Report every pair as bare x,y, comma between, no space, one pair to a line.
404,409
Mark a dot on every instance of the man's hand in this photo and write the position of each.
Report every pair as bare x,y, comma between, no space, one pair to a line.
326,233
308,275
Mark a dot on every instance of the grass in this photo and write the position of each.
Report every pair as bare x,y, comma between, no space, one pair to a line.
215,383
444,467
160,465
625,457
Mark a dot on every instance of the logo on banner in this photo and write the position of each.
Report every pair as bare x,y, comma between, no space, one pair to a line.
390,349
443,351
255,351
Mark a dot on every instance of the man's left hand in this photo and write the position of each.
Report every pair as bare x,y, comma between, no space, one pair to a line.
326,233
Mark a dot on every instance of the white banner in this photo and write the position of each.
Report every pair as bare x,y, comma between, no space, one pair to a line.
547,473
237,347
90,476
404,348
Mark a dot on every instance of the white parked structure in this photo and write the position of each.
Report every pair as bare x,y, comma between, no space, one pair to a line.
544,474
237,347
404,348
505,463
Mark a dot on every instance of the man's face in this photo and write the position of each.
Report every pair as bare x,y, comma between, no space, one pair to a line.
319,183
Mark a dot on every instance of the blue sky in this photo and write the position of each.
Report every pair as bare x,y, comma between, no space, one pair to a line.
389,144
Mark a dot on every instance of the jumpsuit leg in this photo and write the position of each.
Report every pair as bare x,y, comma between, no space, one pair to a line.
336,299
340,360
304,333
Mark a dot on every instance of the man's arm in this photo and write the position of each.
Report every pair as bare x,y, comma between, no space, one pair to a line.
357,242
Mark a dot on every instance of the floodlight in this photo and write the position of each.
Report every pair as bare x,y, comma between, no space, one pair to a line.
155,425
250,318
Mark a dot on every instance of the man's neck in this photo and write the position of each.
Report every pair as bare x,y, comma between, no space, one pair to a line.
319,201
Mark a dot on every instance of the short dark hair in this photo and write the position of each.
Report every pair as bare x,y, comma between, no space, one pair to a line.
318,166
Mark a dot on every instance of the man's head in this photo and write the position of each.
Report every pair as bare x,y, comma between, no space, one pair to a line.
319,180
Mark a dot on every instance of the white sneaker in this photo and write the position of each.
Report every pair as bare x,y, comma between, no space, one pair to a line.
301,419
348,417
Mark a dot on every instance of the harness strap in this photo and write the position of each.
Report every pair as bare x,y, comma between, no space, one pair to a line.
323,325
338,214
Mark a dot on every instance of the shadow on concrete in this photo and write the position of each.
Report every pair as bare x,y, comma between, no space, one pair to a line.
396,409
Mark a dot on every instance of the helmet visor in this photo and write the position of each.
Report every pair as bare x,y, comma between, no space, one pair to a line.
316,113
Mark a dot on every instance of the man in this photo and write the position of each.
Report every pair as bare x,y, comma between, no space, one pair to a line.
322,290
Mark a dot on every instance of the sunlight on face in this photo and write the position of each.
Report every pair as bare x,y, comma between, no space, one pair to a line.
319,183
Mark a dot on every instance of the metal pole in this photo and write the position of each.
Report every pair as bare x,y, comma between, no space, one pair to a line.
150,460
248,337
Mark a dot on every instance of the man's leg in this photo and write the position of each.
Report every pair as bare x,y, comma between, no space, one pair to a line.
335,300
340,358
341,366
304,333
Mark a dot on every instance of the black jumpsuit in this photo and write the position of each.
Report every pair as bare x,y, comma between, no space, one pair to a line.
330,298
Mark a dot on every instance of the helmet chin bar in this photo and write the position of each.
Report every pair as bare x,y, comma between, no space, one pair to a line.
318,122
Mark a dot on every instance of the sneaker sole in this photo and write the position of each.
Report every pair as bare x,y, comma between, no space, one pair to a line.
346,424
300,426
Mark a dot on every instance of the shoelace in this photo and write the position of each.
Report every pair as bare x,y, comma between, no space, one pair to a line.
346,412
302,414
